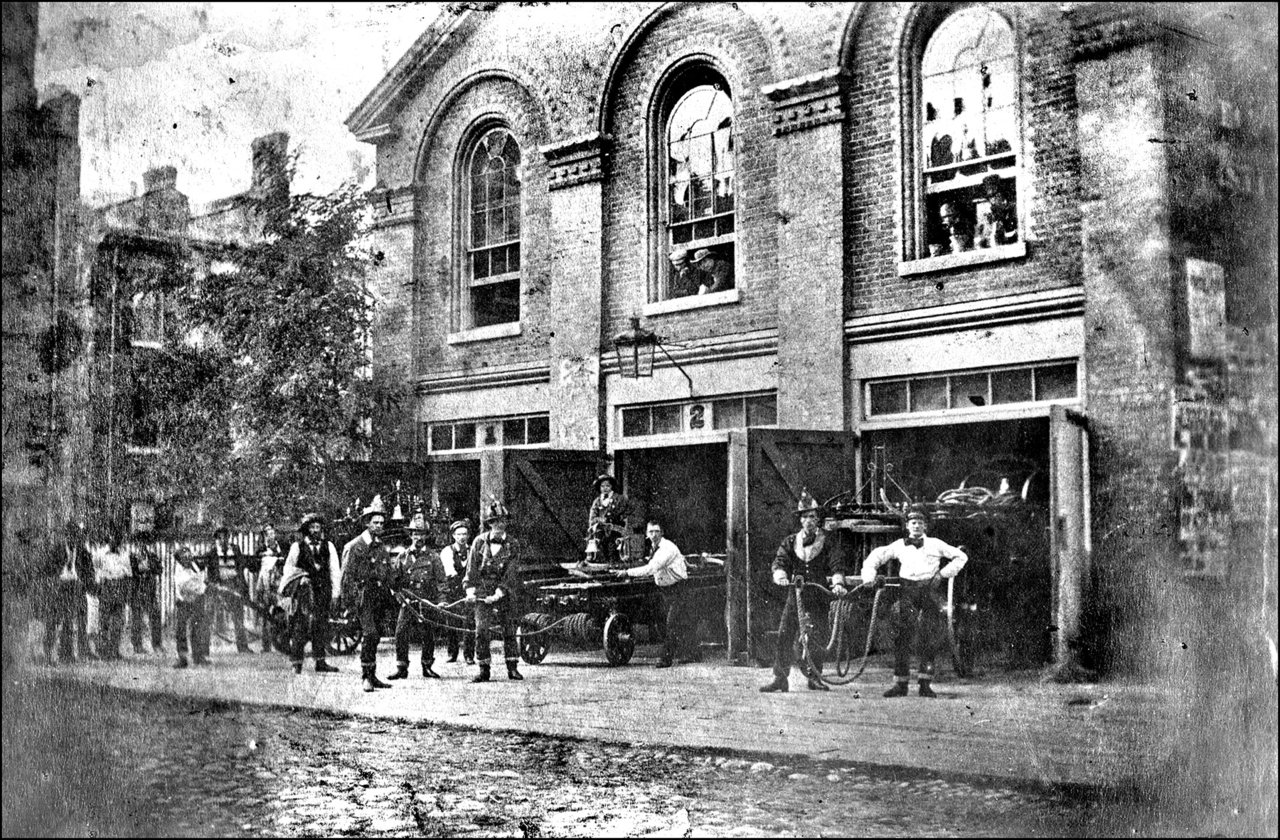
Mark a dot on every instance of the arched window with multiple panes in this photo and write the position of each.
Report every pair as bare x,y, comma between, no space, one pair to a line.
697,207
968,142
491,239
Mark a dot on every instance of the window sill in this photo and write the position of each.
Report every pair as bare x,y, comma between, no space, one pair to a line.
680,304
485,333
966,258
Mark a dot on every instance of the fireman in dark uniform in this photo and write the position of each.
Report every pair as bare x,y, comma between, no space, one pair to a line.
607,521
815,555
365,583
493,568
420,571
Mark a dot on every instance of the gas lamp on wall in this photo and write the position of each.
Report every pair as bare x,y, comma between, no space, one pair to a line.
635,348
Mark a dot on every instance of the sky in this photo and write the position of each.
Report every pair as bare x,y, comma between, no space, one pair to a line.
191,85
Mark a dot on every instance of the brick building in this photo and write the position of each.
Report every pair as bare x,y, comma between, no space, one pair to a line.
937,243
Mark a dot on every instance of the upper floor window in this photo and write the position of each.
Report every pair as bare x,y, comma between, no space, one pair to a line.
491,285
969,137
697,209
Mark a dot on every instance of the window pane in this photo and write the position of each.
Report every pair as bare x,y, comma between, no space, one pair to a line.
539,430
496,225
724,193
480,265
762,411
1009,386
477,230
666,419
635,422
929,394
464,435
681,234
513,257
969,390
512,229
498,261
701,189
728,414
513,432
1057,382
888,397
724,225
441,438
497,303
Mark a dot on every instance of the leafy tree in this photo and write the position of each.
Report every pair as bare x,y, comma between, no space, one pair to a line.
286,333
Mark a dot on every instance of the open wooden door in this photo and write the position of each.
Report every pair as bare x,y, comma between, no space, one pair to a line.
1069,536
548,492
768,469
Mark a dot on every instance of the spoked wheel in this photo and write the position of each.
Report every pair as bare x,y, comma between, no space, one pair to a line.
533,649
619,644
345,633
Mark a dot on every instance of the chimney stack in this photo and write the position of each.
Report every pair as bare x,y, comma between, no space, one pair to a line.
160,178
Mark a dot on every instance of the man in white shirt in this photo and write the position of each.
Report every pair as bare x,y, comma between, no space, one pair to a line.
115,582
669,571
920,596
453,558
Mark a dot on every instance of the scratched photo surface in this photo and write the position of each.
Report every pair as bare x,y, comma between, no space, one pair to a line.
639,419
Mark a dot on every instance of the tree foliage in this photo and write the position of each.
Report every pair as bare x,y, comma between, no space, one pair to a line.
285,330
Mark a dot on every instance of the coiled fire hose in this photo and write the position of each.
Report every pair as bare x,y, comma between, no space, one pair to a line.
416,604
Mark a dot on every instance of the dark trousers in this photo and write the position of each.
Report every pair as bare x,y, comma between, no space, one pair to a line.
918,601
317,631
495,616
145,604
66,612
113,597
190,619
679,625
370,607
405,624
815,623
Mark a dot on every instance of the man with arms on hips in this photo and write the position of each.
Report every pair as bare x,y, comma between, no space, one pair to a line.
919,597
493,569
669,572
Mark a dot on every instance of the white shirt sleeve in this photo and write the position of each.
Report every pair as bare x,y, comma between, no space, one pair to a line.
957,557
874,561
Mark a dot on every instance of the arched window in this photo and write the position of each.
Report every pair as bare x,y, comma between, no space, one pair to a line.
697,208
491,287
969,133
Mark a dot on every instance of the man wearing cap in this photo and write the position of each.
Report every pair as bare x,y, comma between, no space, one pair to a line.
491,581
317,557
608,518
919,597
228,567
453,559
365,581
145,598
716,270
814,555
421,572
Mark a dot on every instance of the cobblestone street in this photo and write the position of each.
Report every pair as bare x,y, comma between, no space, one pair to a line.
86,760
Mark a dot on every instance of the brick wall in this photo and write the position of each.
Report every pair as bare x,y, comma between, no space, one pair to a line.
739,52
881,124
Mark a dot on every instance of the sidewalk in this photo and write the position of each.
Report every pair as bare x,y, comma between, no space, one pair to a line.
1009,728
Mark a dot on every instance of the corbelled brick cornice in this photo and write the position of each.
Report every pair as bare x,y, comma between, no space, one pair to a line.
807,101
1103,29
578,160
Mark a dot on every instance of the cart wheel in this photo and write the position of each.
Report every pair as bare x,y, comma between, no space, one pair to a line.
533,649
619,644
960,632
344,633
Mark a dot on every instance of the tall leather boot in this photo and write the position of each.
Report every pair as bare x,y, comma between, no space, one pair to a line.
483,676
402,671
512,673
427,671
367,678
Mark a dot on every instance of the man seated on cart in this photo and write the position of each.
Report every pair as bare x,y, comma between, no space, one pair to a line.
803,563
607,522
920,595
669,571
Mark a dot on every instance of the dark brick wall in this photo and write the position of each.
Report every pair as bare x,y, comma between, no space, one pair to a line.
878,133
740,53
